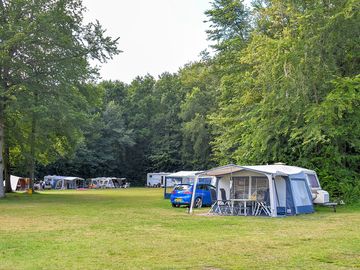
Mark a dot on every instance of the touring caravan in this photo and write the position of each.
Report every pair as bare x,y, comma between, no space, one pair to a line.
64,182
156,179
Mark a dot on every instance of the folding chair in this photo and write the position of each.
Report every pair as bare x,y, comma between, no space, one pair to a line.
263,206
223,206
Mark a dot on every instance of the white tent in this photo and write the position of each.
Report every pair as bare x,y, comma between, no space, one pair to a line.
14,181
283,190
18,183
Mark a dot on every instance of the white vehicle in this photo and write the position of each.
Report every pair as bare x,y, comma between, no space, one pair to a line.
319,195
108,182
156,179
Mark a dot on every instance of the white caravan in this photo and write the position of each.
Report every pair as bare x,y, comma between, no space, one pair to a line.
156,179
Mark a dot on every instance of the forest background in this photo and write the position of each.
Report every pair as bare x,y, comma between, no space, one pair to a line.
282,86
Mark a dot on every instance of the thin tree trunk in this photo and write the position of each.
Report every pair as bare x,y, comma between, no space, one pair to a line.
2,193
8,188
32,154
32,144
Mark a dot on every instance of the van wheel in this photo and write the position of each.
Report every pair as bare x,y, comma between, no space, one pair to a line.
174,205
198,202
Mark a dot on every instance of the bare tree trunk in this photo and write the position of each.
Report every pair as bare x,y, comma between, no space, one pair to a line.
2,191
32,155
32,143
7,168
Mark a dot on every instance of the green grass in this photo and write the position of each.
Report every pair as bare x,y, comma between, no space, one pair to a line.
137,229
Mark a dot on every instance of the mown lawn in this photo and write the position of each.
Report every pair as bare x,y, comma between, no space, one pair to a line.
137,229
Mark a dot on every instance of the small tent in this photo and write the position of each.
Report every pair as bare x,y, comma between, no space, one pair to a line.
278,189
19,183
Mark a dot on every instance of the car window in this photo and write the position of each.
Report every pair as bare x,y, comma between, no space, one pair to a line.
200,187
182,187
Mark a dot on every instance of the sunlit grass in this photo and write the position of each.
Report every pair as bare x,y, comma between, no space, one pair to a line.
137,229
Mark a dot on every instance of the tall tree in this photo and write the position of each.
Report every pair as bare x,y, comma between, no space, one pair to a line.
270,108
200,82
165,124
44,53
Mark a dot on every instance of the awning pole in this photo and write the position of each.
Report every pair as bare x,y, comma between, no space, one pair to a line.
272,195
193,194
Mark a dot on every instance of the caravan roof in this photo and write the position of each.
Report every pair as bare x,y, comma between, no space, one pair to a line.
57,177
267,169
184,174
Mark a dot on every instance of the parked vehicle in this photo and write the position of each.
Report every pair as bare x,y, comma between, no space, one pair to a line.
205,194
156,179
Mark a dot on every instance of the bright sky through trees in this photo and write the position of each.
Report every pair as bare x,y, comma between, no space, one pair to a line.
156,36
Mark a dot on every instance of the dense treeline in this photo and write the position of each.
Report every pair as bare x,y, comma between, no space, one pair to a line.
283,86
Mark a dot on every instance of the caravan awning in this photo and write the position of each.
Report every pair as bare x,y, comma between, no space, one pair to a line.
231,168
283,170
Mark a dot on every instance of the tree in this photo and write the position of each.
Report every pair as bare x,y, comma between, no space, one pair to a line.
200,82
166,136
44,53
267,106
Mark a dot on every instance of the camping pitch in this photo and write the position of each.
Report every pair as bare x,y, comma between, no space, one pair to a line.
19,183
107,182
271,190
64,182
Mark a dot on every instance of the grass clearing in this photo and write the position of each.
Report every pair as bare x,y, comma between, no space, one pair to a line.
137,229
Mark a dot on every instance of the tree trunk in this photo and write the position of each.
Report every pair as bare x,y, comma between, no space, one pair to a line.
2,193
7,168
32,143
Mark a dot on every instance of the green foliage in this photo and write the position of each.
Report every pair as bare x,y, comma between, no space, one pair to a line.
45,51
284,103
332,131
199,81
283,86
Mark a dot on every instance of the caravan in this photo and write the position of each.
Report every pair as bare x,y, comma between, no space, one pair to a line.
271,190
156,179
64,182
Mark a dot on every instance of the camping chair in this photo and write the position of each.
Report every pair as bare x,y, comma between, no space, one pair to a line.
263,206
223,206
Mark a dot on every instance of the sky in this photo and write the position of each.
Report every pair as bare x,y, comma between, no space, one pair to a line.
155,35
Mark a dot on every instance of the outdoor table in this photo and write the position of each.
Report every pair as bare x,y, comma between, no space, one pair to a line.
244,201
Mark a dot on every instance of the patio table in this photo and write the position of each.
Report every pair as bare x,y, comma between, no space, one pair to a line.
244,201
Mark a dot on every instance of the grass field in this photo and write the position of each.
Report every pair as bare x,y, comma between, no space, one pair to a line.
137,229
